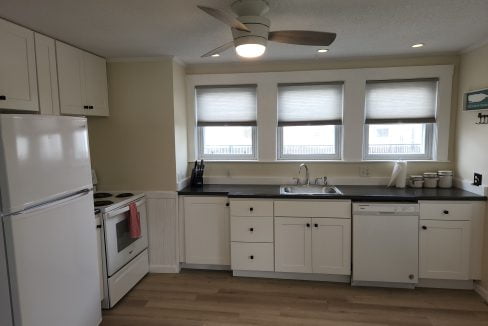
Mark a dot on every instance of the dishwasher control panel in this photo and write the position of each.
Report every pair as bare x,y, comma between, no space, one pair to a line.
385,209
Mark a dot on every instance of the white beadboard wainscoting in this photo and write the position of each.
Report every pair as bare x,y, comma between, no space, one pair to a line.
162,212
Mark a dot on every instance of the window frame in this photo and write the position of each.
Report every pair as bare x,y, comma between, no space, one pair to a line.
429,147
323,157
221,157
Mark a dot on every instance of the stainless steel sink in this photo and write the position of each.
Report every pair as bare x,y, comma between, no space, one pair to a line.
310,190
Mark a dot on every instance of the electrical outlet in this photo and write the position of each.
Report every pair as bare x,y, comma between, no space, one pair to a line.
364,171
477,179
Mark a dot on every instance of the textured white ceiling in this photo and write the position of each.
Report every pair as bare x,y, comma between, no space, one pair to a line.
139,28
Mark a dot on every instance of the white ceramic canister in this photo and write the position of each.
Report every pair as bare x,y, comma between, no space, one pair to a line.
416,181
430,179
445,179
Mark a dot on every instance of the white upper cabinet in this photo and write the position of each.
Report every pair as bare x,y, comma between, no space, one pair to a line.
82,82
18,81
47,75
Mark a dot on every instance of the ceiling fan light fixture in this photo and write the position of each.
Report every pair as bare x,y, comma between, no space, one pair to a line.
216,55
418,45
251,50
323,50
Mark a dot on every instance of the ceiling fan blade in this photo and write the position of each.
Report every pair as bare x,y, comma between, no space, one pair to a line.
302,37
225,18
218,50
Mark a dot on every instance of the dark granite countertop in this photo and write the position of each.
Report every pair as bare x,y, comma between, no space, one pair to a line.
356,193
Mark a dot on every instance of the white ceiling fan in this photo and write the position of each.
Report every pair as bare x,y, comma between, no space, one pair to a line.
250,30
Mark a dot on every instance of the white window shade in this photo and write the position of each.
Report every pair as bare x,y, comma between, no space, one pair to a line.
401,101
226,105
310,104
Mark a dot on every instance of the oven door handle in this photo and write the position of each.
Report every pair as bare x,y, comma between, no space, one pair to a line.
124,209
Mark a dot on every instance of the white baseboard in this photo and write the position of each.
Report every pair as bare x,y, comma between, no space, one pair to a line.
294,276
344,181
481,291
207,267
164,269
445,284
467,185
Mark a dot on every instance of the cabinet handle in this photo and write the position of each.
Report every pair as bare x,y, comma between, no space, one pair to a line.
85,107
424,227
308,225
227,204
3,98
445,212
316,225
99,226
90,107
251,209
251,229
251,257
411,276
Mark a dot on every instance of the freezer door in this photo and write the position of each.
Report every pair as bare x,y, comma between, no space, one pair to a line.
41,158
53,264
5,310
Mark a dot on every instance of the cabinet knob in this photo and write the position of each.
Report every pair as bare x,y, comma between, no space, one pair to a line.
251,257
424,227
316,225
3,98
227,204
411,276
90,107
445,212
308,225
251,209
85,107
251,229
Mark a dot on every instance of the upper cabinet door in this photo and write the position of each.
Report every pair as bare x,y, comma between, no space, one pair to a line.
96,84
293,251
47,75
71,80
18,81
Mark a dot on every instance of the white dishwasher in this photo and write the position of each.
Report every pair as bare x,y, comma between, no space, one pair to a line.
385,244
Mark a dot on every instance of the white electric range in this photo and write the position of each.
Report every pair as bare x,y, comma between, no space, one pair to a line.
125,260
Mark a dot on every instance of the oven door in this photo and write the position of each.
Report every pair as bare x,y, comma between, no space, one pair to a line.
120,247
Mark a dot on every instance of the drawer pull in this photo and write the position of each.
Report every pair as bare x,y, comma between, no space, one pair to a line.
3,98
445,212
90,107
251,257
316,225
308,225
251,229
411,276
251,209
227,204
424,227
86,107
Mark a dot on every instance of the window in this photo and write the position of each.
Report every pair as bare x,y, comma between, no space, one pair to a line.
309,121
400,119
226,122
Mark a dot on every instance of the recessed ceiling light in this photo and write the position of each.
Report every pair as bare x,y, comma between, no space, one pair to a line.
322,50
418,45
215,55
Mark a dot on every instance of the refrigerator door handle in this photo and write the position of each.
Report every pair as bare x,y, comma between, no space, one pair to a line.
52,203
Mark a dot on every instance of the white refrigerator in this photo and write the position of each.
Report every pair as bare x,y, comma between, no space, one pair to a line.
48,246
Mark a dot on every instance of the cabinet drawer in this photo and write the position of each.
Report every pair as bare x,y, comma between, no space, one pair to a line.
252,256
251,229
251,208
445,211
313,208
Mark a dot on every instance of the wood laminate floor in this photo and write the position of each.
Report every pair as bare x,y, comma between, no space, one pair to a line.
216,298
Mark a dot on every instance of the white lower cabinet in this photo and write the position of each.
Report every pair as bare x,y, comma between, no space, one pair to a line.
207,234
331,246
252,256
293,249
444,249
313,245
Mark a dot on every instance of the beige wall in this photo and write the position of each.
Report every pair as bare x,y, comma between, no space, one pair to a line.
134,149
180,127
330,169
471,150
